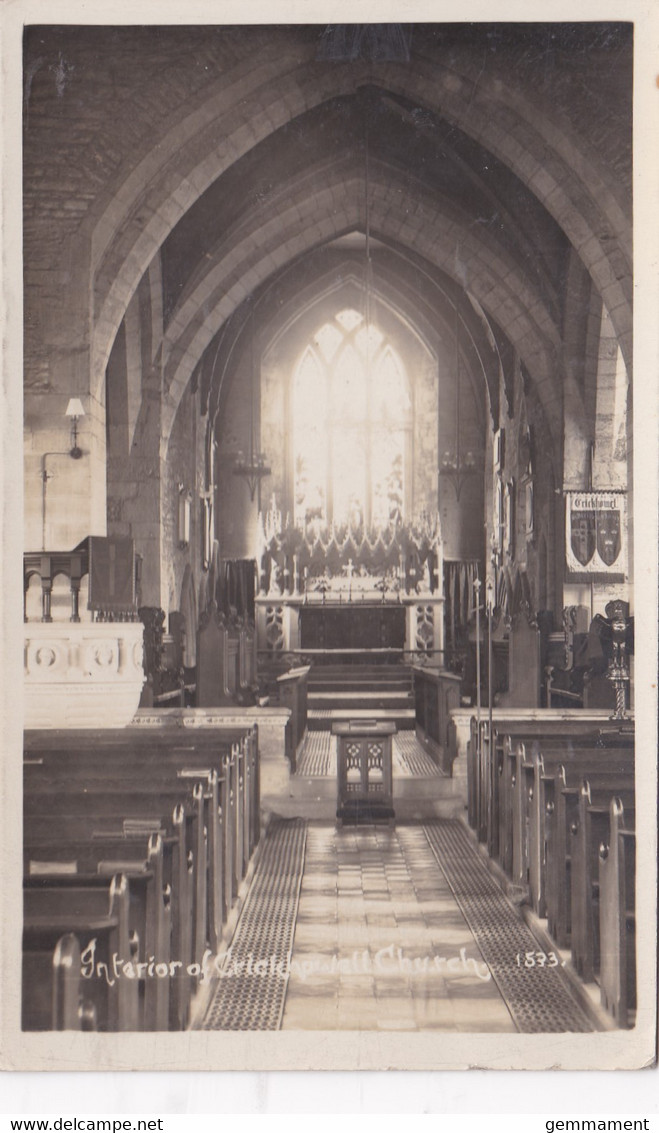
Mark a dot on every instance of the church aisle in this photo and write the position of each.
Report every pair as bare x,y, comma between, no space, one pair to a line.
317,759
380,942
392,930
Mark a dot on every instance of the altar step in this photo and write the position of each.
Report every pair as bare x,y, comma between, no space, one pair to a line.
321,719
393,687
342,691
393,672
361,699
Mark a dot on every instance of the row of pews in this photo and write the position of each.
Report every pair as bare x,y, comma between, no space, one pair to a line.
134,851
554,803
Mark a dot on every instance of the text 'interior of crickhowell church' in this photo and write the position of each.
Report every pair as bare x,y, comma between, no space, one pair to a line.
329,651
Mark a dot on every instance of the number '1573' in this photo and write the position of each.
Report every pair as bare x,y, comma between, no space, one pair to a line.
537,960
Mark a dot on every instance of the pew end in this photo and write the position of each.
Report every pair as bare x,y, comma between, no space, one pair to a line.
617,866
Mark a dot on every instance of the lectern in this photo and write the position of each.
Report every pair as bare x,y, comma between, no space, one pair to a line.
365,785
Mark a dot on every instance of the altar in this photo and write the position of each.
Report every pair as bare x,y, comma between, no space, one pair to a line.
336,593
352,626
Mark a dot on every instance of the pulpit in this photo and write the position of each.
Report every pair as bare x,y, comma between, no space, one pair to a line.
365,780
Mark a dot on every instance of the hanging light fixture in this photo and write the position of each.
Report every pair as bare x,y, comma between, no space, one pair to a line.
254,467
455,467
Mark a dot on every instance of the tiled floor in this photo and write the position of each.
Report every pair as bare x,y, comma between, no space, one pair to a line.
376,928
410,759
380,942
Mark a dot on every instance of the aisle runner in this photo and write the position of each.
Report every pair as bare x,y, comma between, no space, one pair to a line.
318,758
253,1000
410,760
539,999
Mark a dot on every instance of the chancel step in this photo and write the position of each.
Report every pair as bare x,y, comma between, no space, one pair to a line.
341,689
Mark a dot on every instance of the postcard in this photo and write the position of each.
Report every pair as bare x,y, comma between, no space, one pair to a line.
338,524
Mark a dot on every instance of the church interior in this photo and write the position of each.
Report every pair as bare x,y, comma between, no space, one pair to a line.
329,688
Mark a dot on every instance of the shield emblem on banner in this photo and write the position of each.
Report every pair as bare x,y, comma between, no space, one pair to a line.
608,536
583,536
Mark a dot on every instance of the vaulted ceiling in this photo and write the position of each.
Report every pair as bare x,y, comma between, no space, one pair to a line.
484,159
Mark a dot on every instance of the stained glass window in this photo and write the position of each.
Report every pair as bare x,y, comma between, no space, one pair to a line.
351,426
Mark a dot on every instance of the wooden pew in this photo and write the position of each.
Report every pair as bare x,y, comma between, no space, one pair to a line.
201,897
512,800
90,799
561,793
617,885
98,837
169,767
95,911
586,835
513,782
479,807
141,860
543,768
488,778
203,749
94,813
53,992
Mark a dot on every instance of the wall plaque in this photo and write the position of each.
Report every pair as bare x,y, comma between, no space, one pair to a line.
596,536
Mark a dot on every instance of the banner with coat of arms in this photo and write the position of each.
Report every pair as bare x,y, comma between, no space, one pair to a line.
596,536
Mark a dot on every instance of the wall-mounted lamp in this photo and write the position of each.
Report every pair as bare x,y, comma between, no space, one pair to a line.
74,410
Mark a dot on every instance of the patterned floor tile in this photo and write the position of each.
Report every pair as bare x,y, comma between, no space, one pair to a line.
386,930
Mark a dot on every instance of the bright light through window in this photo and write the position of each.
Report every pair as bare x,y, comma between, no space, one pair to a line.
351,424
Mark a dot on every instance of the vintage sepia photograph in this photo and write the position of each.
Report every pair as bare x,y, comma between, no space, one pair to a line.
330,673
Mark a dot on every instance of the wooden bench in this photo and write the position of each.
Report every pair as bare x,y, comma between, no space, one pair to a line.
586,835
510,781
487,786
617,887
53,993
544,769
561,811
99,797
96,911
169,903
227,802
154,759
141,859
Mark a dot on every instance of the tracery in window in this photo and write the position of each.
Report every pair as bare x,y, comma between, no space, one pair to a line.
351,426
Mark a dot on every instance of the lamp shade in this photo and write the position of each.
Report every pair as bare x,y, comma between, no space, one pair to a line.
74,408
